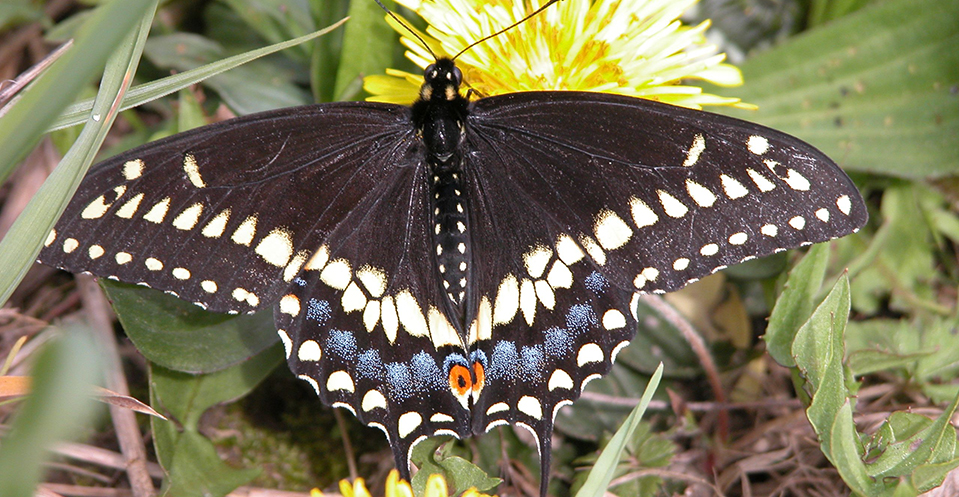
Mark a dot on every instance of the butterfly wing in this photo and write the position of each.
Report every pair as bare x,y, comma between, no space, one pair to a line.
225,215
582,201
361,322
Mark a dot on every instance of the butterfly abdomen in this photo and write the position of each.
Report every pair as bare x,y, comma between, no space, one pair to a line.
451,234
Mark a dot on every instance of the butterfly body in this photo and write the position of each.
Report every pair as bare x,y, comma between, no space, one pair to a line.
454,266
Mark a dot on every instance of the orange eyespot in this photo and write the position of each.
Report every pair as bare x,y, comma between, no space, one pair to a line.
460,381
480,374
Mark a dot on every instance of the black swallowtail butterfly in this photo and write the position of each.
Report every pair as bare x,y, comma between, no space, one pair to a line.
457,265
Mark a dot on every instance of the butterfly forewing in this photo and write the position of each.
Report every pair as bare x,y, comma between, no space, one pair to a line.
226,214
659,195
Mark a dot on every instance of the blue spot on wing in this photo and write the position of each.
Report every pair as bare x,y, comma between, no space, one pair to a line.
596,283
533,362
319,311
369,365
580,318
399,380
503,361
558,342
341,344
426,374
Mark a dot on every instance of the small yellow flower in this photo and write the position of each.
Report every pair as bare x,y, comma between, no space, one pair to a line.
435,487
631,47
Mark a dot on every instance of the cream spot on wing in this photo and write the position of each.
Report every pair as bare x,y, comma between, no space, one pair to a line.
769,230
208,286
95,251
733,188
497,407
530,406
757,144
642,215
123,258
245,232
188,218
276,248
410,315
311,381
610,230
536,260
291,269
290,305
560,379
700,194
132,169
738,238
95,209
287,343
760,181
559,276
650,273
128,209
593,249
153,264
391,322
340,380
844,204
680,264
373,400
441,418
181,273
371,315
51,236
613,320
337,274
318,260
192,171
674,208
545,294
309,351
507,300
699,144
798,222
527,301
217,225
373,279
588,353
567,250
408,423
157,213
441,331
709,249
796,181
823,215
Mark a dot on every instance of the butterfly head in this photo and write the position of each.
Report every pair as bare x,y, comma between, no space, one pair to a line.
442,81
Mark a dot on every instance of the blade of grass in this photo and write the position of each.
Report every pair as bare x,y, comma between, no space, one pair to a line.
19,248
140,94
24,124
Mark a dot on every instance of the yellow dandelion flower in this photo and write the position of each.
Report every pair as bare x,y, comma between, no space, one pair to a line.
395,487
631,47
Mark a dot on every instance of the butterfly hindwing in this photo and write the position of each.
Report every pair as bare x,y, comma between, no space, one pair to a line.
177,214
362,322
659,195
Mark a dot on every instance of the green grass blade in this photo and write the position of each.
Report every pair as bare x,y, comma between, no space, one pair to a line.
140,94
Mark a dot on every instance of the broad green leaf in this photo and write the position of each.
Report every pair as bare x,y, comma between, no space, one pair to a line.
369,35
193,466
460,474
602,473
58,409
877,90
818,352
796,303
180,336
20,245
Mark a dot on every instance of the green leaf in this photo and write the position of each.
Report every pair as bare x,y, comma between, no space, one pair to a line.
818,352
796,303
365,34
191,460
59,408
140,94
460,474
877,90
183,337
602,473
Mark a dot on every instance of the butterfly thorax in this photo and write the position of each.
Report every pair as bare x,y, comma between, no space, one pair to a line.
439,116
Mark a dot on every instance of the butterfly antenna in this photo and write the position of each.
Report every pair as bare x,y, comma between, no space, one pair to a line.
408,28
507,28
